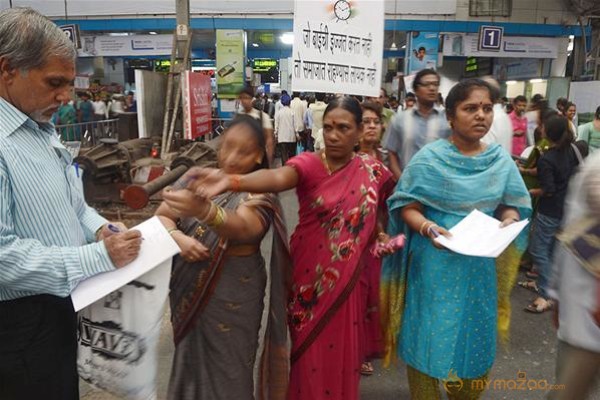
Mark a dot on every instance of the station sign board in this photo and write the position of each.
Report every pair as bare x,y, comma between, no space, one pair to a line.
490,38
72,32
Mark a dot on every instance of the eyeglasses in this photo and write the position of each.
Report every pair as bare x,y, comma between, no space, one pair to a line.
429,84
368,121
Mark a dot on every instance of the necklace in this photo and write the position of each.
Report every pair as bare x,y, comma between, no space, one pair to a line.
325,163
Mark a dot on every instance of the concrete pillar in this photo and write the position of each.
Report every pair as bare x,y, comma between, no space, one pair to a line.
559,65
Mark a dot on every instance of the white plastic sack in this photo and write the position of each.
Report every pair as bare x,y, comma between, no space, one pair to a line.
118,336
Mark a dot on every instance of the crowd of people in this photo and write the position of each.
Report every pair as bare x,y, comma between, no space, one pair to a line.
438,315
88,109
306,324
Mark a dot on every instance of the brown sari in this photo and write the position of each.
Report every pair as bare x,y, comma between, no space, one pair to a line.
217,308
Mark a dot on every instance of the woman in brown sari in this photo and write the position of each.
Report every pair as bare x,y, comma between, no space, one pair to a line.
225,349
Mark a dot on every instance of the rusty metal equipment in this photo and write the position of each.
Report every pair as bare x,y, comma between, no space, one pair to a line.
195,154
107,165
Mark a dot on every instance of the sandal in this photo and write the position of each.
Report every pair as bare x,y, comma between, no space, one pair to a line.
541,306
366,369
529,285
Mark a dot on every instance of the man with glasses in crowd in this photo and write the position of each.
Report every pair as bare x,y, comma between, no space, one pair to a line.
412,129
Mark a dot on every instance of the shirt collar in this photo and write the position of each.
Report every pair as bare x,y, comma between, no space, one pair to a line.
434,110
11,118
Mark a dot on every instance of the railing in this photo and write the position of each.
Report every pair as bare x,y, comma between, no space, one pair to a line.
88,133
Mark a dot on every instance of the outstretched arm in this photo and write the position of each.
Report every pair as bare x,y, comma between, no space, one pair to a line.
208,182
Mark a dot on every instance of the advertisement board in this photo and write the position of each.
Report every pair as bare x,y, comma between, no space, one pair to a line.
197,109
230,62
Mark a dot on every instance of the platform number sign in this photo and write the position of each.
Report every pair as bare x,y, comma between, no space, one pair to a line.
72,32
490,38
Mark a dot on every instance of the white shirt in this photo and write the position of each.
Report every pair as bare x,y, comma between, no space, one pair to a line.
117,107
570,283
284,126
100,108
501,131
298,108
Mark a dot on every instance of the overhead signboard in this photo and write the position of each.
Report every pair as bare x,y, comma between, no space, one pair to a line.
338,46
490,38
133,45
72,32
475,67
467,45
264,64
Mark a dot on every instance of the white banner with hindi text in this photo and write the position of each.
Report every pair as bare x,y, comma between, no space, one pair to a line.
338,46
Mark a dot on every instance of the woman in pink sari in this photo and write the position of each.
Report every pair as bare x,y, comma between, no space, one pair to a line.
340,193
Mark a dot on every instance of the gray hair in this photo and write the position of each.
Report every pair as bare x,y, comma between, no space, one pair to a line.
28,39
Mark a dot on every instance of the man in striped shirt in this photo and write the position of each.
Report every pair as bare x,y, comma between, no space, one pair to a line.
48,234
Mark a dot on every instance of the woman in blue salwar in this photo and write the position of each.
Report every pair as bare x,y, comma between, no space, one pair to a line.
442,309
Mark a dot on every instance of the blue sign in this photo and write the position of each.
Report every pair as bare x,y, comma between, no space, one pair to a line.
490,38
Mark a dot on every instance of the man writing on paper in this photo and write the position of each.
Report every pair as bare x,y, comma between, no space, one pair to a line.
45,224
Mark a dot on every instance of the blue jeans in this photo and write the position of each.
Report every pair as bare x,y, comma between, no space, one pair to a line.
542,247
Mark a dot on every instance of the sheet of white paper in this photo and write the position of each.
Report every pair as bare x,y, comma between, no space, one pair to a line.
157,247
480,235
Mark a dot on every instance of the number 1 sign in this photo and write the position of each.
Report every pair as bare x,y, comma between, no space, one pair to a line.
490,38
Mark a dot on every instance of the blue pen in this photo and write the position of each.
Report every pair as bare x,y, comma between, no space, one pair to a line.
435,232
115,229
76,165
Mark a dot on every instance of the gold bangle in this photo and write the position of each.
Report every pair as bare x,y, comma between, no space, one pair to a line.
172,231
423,225
219,219
210,211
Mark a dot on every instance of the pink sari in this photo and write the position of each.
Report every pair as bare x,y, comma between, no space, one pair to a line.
338,215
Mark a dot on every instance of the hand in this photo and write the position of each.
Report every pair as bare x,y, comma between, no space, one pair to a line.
435,231
184,203
105,232
209,182
536,192
383,238
519,133
380,248
124,247
522,170
191,249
